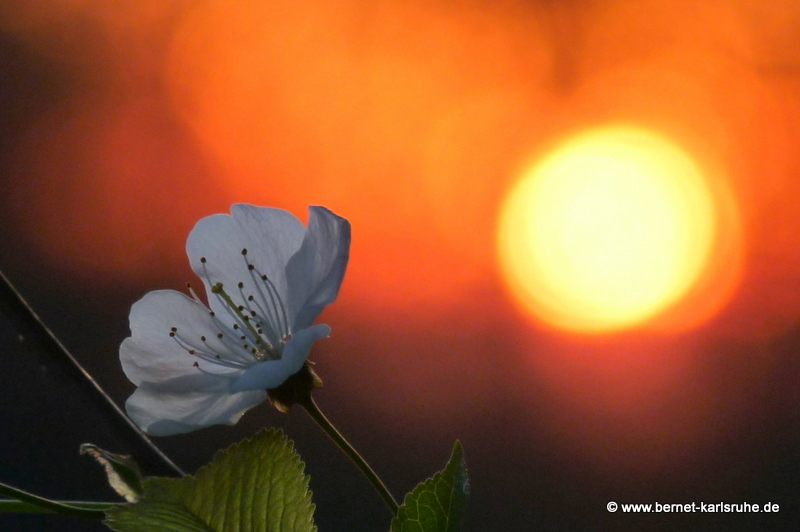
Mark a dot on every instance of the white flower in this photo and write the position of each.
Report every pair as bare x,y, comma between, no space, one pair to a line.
267,278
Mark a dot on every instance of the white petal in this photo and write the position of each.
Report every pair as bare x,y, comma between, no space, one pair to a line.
151,355
271,237
316,271
163,409
273,373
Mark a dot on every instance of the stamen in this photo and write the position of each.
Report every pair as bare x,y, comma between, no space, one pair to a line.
268,321
203,355
275,309
271,319
225,335
193,293
275,298
203,370
271,339
262,323
257,339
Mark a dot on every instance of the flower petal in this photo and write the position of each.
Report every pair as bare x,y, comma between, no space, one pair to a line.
316,271
270,236
273,373
163,409
151,354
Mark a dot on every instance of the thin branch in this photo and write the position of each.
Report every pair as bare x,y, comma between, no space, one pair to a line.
33,329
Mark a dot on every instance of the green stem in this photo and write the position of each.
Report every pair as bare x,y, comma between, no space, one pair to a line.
316,414
81,509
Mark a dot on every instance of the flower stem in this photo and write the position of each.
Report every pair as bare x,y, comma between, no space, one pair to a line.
40,504
35,332
307,402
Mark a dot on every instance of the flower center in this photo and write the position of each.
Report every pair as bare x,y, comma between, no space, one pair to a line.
259,328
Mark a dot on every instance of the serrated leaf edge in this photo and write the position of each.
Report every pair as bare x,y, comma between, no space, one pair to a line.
287,444
455,461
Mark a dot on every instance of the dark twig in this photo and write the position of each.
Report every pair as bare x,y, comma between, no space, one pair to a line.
31,327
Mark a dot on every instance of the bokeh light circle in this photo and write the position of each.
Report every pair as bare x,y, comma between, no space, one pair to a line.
607,231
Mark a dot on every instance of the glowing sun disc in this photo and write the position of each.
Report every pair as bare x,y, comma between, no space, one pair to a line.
607,231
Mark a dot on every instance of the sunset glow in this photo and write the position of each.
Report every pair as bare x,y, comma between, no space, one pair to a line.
588,212
607,231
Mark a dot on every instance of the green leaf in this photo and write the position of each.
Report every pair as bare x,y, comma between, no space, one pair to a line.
253,486
436,505
123,473
22,501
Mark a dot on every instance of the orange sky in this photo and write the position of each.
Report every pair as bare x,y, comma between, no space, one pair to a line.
414,120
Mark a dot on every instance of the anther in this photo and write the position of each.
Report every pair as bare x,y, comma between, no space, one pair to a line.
196,364
220,335
203,260
236,326
244,251
264,277
250,267
191,351
241,284
217,288
202,338
250,297
212,314
173,329
172,334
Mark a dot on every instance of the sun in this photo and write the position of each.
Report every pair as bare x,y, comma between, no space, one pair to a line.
607,231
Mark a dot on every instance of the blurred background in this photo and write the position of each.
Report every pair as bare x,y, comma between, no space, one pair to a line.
434,127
